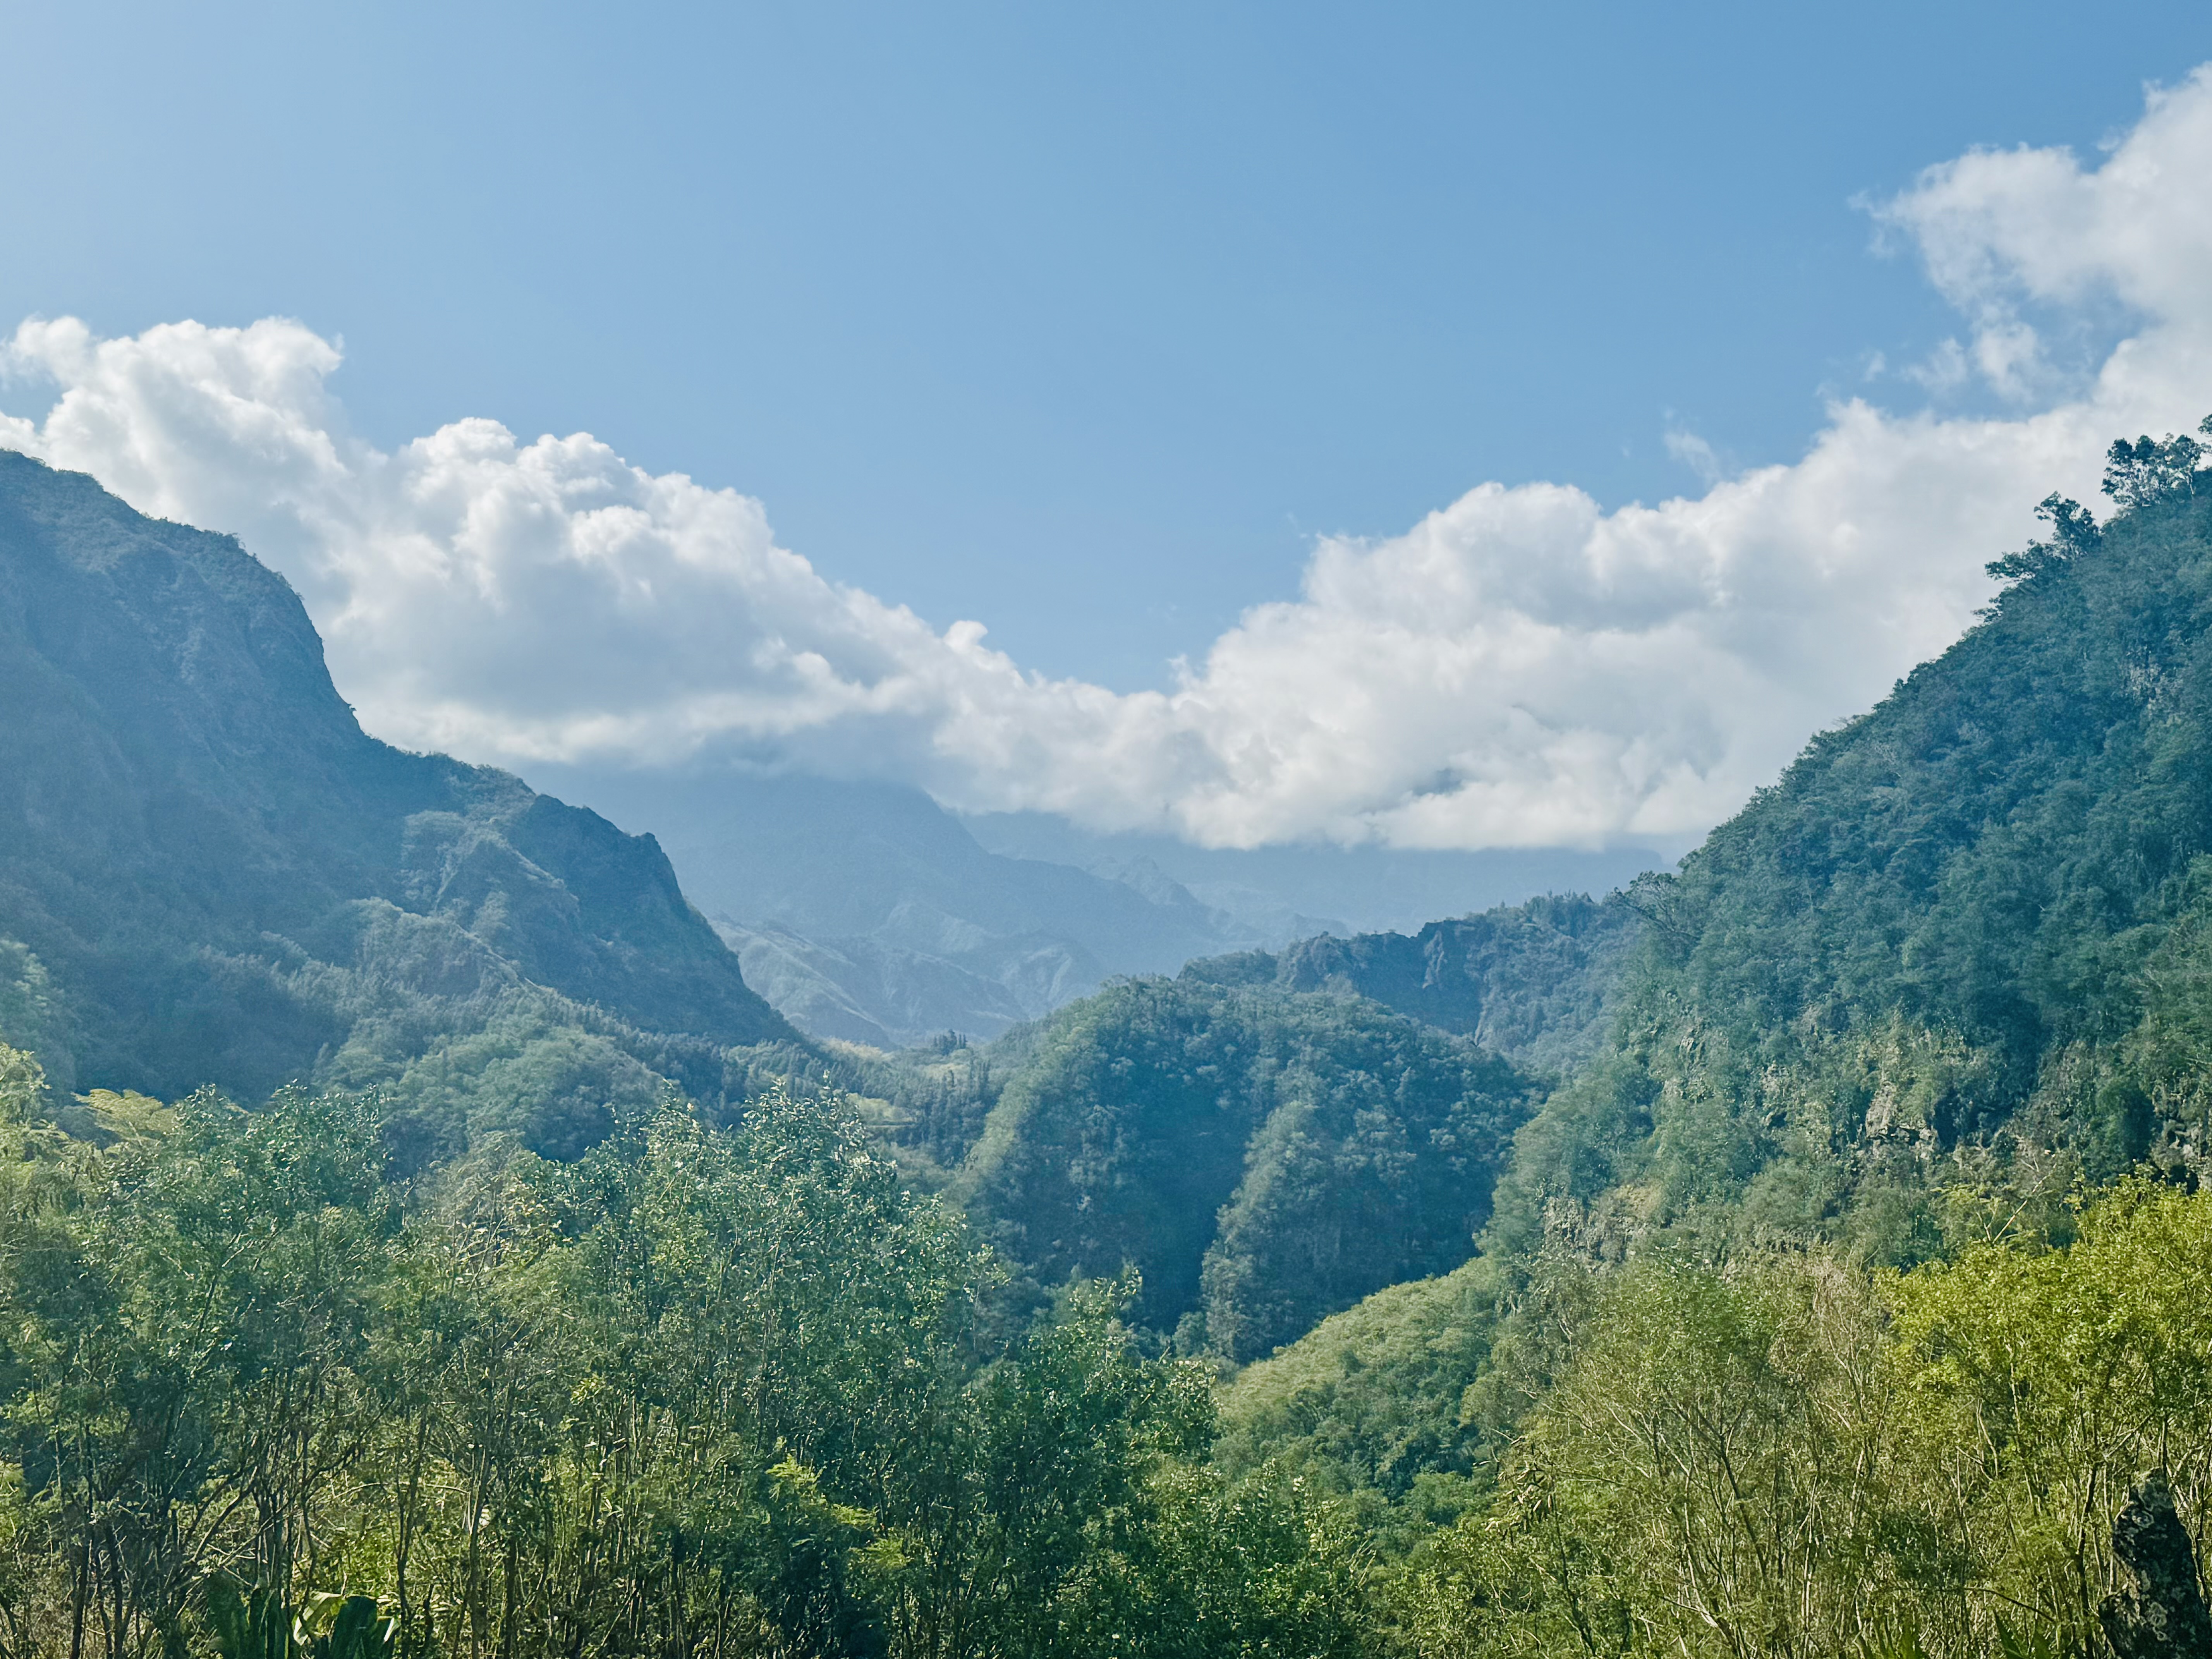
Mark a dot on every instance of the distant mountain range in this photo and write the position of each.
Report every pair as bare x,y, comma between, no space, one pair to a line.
212,874
867,912
1531,981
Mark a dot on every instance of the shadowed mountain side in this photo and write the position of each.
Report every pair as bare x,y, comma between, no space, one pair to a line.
191,819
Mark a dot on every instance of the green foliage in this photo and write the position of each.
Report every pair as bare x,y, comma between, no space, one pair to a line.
1951,947
1262,1159
1261,1565
1771,1453
700,1391
32,1016
2146,471
1949,974
249,1623
1534,982
2073,533
1370,1400
252,1622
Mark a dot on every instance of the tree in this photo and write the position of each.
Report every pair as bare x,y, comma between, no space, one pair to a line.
2146,471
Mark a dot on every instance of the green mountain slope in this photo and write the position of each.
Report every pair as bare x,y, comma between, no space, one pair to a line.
1532,982
1956,942
223,880
1956,963
1263,1159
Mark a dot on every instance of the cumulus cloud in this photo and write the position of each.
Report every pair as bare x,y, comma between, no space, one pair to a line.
1521,668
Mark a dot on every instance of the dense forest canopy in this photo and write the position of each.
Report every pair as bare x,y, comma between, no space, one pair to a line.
1962,934
1802,1255
700,1391
736,1391
1260,1160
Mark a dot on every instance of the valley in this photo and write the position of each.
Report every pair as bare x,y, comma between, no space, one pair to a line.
439,1220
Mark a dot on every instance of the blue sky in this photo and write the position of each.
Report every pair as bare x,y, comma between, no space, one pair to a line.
1102,327
1082,320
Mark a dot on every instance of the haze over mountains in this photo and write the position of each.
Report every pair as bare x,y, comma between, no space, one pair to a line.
864,911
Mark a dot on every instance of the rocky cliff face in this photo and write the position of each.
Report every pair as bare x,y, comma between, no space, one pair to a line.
197,839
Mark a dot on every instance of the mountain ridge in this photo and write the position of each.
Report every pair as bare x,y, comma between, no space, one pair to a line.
192,821
1923,996
868,913
1532,982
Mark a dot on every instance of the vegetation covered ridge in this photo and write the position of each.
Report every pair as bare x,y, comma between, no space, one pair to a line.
1262,1158
1962,939
209,874
1531,981
1921,999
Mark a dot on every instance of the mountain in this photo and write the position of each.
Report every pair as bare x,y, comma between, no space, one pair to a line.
867,912
1964,932
1296,890
1804,1255
1531,981
1262,1158
1945,976
208,874
1272,1135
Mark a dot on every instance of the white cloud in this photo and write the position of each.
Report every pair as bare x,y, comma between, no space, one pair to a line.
1519,669
1697,454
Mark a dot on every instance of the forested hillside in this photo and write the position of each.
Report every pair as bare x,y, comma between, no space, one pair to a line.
1262,1159
1270,1136
1908,1010
1962,936
1803,1257
218,879
1534,981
